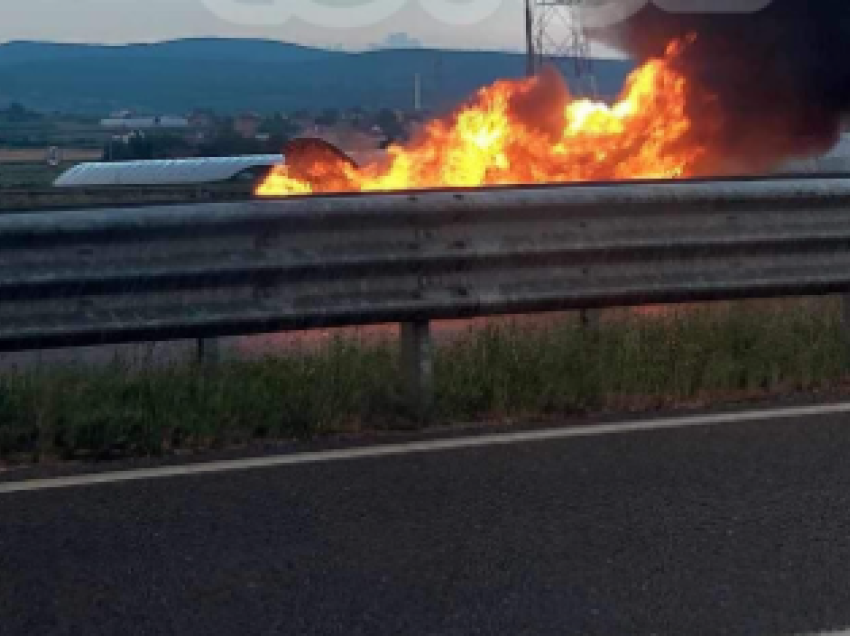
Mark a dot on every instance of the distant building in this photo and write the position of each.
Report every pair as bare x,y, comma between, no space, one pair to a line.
170,171
159,122
347,137
247,125
202,124
202,119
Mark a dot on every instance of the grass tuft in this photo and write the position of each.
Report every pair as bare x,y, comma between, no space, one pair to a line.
509,369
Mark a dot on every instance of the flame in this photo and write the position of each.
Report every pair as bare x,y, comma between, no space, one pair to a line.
531,131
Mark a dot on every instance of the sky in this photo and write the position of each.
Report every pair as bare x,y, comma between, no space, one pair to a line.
349,24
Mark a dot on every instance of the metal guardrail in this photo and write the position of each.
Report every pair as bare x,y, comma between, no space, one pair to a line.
23,200
204,270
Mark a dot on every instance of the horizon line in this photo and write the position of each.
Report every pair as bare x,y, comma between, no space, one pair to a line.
330,48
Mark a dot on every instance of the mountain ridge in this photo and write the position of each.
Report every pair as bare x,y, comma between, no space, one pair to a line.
232,75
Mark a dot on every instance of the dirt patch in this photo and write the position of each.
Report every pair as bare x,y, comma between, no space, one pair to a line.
39,155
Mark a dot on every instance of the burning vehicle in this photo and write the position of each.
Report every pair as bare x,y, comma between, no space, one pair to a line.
714,95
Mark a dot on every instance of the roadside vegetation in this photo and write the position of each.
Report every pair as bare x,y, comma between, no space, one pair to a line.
28,174
508,370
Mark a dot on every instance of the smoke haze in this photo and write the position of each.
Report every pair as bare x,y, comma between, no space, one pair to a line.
781,76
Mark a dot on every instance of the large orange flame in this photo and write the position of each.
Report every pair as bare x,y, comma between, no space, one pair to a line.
530,131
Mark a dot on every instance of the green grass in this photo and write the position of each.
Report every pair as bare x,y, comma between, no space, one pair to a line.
511,370
636,361
29,175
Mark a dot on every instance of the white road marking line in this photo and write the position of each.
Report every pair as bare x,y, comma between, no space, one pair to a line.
433,446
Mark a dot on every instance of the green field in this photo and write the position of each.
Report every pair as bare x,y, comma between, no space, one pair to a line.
508,371
29,175
53,130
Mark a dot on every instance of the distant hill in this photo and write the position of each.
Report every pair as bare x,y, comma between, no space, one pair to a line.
231,75
189,50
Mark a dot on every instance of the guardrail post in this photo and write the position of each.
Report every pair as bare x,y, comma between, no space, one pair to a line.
209,352
417,367
845,329
589,318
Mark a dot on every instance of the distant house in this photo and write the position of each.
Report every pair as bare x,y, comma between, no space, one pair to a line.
202,119
247,125
348,137
202,123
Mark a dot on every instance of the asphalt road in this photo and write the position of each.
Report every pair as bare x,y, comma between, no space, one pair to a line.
729,529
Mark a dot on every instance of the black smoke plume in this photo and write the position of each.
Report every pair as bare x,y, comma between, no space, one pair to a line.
781,76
